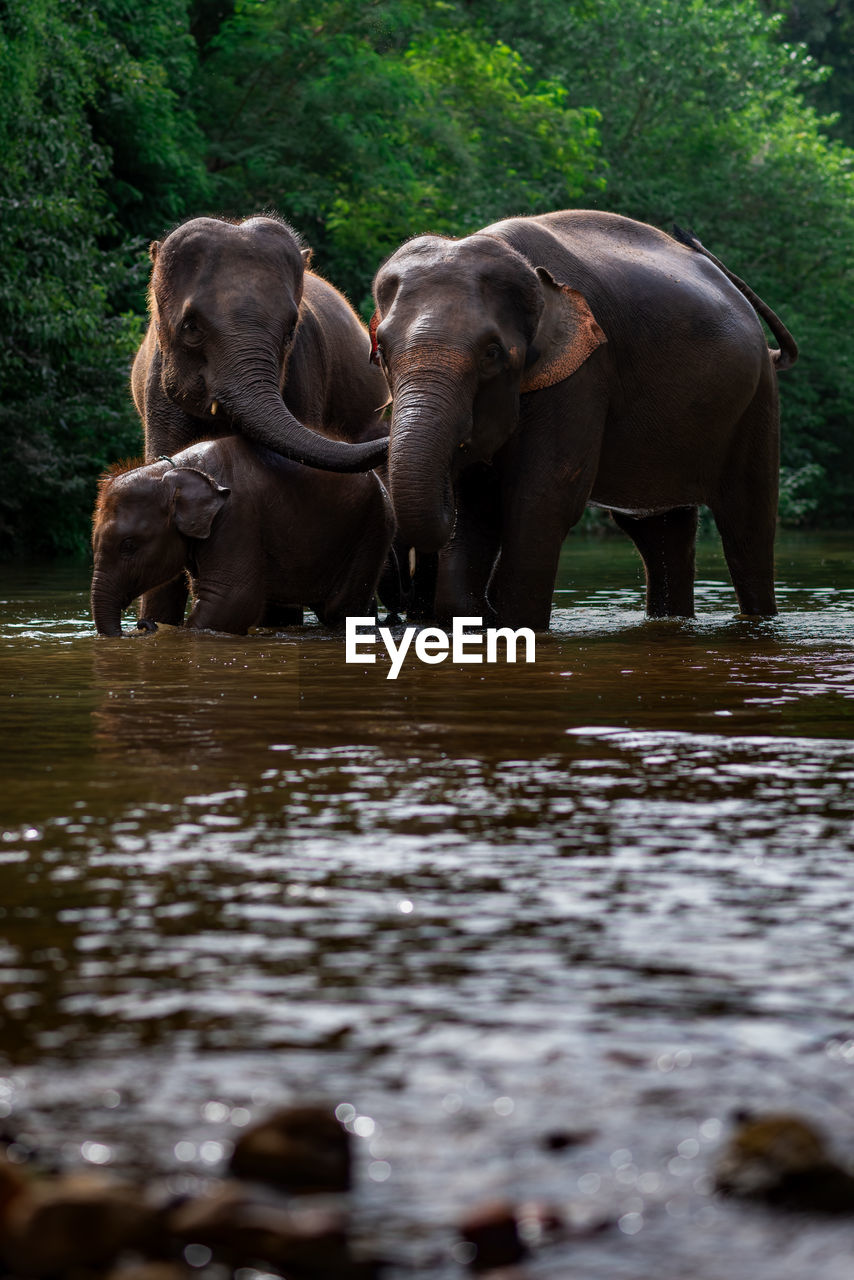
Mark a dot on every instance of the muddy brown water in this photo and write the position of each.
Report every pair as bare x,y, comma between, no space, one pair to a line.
606,895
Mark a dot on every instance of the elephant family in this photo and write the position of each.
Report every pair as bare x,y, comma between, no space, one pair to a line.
578,357
243,338
257,532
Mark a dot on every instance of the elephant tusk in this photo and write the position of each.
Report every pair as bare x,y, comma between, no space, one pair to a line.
214,407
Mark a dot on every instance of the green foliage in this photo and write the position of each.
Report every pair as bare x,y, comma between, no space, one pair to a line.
366,124
705,122
72,92
826,27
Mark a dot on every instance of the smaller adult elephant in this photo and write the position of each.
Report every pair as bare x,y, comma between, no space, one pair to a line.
257,532
577,357
243,338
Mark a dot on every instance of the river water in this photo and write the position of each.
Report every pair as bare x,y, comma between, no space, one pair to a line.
607,895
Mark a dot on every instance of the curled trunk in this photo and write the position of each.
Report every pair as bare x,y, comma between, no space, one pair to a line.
262,415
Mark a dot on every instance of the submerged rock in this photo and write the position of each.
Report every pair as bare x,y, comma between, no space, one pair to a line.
306,1242
782,1160
300,1149
565,1139
493,1232
56,1225
13,1183
150,1271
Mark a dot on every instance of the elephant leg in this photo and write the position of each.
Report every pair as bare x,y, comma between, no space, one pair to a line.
353,591
745,508
421,600
666,543
167,427
234,611
548,472
281,615
466,564
748,543
390,588
166,603
522,584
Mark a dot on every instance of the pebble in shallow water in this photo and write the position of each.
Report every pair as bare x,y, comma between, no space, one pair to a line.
783,1160
299,1149
491,1232
52,1226
308,1241
150,1271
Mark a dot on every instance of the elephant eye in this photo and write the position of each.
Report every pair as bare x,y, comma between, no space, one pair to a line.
127,546
190,331
493,358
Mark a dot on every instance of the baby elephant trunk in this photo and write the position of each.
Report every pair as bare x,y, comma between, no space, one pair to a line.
107,606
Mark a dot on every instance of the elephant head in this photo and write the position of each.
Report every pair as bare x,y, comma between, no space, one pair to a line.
463,329
142,520
225,303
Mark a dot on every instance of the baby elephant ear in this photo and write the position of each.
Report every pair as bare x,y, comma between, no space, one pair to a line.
196,500
567,334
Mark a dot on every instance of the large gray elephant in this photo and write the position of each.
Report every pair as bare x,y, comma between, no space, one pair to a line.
578,357
243,338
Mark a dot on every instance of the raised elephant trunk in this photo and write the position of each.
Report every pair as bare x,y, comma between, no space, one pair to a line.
259,411
430,420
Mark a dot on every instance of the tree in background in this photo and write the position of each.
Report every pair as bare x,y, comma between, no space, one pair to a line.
366,124
81,105
826,27
704,121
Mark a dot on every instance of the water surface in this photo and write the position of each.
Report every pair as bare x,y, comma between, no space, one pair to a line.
608,893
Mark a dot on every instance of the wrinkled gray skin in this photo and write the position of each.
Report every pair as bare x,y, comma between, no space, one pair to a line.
576,357
257,532
244,339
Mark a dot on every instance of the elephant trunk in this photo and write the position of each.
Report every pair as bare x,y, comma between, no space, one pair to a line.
107,606
259,411
430,420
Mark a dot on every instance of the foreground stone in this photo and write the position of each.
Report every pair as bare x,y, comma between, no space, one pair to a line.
299,1149
782,1160
55,1225
493,1232
305,1242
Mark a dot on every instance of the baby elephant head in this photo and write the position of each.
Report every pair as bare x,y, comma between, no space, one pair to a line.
142,522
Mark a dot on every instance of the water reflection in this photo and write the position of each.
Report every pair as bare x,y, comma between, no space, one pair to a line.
606,893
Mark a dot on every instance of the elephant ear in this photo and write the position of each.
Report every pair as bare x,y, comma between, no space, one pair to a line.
372,330
196,500
566,335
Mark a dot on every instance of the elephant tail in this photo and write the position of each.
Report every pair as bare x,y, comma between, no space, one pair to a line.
787,353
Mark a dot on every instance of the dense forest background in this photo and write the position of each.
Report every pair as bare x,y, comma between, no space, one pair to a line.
365,123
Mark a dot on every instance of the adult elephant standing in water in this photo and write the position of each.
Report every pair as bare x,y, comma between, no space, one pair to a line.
244,339
547,362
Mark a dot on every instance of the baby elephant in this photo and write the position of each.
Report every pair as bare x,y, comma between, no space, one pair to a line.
256,531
